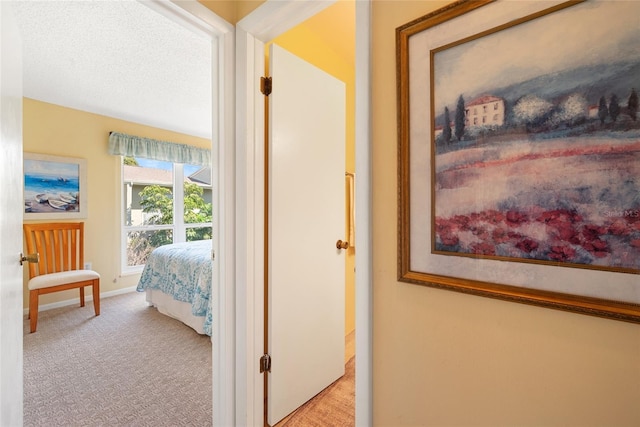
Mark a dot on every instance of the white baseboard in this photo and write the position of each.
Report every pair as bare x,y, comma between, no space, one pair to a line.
88,297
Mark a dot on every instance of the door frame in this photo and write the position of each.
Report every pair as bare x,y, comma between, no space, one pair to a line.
268,21
198,17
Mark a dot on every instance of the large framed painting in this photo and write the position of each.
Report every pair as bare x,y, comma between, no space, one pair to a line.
519,153
54,187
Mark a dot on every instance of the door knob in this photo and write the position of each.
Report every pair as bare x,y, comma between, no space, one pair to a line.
342,245
30,258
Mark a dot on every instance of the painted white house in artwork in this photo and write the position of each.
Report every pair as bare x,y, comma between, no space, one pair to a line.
486,110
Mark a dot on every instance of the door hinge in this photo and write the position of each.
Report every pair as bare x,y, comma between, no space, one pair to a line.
265,85
213,255
265,363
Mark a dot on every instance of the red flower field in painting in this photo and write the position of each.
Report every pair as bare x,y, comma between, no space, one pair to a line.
566,201
566,236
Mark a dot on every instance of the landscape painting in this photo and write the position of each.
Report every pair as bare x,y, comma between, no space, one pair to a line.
54,187
535,140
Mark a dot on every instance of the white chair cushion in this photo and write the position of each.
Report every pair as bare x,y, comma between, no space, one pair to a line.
55,279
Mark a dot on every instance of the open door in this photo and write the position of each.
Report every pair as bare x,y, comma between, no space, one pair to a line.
11,211
306,205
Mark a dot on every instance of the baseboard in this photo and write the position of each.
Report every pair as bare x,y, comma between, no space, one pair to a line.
88,297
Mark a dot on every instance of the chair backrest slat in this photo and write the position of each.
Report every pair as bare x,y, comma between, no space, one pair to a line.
54,247
64,252
60,246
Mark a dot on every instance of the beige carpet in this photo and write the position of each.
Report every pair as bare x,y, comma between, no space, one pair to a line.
130,366
334,406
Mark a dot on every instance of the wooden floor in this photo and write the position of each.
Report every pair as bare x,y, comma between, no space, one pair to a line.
349,346
349,352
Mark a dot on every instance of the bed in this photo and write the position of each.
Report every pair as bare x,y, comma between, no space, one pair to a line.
177,281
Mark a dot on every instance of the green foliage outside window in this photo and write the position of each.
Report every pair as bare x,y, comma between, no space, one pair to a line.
130,161
157,202
196,211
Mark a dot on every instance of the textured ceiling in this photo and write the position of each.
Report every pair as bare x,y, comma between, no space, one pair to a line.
122,59
119,59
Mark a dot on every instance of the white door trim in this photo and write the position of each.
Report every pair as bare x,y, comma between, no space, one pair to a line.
223,295
363,219
266,22
249,232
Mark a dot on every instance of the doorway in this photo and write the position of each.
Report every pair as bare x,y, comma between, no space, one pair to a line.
221,34
327,41
264,24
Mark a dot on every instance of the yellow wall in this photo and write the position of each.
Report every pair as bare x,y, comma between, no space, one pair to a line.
55,130
226,9
308,45
447,359
231,10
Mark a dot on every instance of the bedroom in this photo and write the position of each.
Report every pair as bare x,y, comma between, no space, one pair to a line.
69,131
81,134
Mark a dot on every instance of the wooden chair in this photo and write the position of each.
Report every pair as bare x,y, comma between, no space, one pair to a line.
61,266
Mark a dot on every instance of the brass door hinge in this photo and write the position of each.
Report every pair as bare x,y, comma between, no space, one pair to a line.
266,85
265,363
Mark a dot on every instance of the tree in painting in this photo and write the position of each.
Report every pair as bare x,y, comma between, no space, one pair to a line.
570,111
531,110
446,130
460,116
614,108
632,104
603,111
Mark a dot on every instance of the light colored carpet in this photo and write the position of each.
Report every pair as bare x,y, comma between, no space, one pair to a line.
130,366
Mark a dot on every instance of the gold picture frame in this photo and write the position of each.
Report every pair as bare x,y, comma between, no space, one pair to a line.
612,292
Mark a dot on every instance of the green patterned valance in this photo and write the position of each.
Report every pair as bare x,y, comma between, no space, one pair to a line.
121,144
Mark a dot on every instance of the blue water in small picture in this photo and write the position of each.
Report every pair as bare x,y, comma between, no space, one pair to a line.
51,186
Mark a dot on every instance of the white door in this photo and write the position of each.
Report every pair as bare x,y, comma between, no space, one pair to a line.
306,214
11,211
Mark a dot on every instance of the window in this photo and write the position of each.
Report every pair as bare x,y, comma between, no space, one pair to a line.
163,202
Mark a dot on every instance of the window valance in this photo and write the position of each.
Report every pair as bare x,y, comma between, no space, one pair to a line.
121,144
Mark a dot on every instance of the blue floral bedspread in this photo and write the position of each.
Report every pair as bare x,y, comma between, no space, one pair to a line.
182,270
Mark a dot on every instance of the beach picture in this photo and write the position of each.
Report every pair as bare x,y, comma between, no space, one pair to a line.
53,187
536,141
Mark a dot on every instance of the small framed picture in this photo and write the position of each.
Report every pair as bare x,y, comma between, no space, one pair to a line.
54,187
